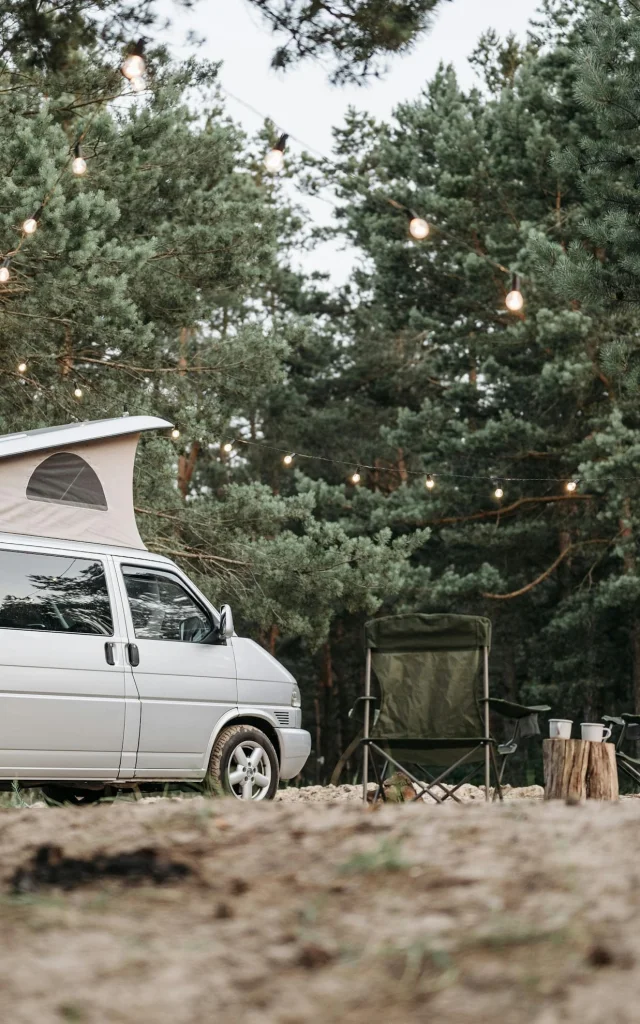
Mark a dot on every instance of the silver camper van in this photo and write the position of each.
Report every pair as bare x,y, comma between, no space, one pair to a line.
114,669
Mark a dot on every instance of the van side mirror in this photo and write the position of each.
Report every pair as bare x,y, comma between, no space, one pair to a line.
226,622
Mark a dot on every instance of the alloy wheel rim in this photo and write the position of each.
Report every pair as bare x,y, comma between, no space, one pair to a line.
249,771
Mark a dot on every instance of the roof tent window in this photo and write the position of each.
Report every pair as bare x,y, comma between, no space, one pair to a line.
66,479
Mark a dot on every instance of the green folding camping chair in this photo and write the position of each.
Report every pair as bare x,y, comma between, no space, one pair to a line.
433,672
629,730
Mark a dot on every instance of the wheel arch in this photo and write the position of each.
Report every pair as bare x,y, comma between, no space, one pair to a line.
248,716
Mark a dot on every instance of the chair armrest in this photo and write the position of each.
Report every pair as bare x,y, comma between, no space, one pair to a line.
509,709
630,719
613,719
353,713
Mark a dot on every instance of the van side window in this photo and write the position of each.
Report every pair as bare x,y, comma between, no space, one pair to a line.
54,593
66,479
162,609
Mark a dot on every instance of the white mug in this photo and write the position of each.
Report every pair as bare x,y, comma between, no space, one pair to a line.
595,731
560,728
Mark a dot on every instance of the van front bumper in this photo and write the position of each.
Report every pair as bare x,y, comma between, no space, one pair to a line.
295,747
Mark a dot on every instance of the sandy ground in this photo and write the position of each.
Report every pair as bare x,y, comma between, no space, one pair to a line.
353,794
195,910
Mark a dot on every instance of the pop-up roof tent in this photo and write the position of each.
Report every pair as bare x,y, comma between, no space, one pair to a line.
73,482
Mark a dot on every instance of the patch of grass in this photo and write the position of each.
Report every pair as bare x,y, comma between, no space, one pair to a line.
386,856
511,933
72,1013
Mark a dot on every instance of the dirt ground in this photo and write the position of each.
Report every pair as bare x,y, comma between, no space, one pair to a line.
173,911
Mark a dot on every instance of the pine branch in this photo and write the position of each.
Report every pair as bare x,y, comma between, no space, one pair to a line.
545,575
492,513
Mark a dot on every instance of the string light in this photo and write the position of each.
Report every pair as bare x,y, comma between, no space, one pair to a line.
429,480
133,66
4,272
355,477
30,225
22,367
274,160
387,199
228,447
514,300
498,493
418,227
288,459
77,392
175,433
570,486
79,164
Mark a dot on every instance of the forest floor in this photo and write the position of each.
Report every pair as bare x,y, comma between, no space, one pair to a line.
173,911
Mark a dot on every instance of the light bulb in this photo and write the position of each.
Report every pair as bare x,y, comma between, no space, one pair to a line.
418,228
133,66
175,433
78,392
498,493
288,459
429,482
29,225
355,478
227,447
4,274
570,486
274,161
22,367
79,165
514,300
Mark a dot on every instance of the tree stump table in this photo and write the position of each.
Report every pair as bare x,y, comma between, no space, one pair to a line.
579,770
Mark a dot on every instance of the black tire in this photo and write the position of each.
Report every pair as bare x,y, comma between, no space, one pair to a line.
223,756
68,795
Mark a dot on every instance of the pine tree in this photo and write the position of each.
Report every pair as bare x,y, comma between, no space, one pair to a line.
356,35
148,286
426,372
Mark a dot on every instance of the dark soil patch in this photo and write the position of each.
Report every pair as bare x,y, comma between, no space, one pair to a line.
49,867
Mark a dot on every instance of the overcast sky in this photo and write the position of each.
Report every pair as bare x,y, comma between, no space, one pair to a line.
303,103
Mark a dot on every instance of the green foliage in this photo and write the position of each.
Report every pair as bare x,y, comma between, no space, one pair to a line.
356,35
422,370
162,282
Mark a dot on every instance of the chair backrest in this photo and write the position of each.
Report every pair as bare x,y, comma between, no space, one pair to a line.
430,671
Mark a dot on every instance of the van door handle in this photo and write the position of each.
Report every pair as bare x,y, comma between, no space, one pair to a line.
110,653
133,654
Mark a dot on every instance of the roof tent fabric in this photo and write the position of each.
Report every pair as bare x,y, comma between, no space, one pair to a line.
429,668
67,479
73,482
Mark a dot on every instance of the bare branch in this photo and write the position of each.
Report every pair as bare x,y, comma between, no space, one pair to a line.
545,575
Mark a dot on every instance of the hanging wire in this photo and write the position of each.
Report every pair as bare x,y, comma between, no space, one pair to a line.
567,481
412,215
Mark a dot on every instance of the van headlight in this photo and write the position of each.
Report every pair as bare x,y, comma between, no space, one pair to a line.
296,699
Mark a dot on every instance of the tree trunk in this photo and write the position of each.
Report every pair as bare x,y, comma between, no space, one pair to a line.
576,770
635,649
186,466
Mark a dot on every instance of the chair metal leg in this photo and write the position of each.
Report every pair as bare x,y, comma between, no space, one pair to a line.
365,752
451,791
514,739
628,770
496,773
379,780
487,755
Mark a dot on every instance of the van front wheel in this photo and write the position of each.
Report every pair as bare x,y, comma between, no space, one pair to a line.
244,764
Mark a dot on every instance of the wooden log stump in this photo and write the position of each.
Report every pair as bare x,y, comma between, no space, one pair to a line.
577,770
